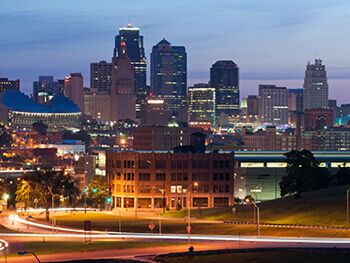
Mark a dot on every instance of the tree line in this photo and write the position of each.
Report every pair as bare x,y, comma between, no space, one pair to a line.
304,173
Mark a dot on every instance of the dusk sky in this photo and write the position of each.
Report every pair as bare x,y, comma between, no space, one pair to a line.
271,40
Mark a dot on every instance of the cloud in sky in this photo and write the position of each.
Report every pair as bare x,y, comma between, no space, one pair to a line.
268,39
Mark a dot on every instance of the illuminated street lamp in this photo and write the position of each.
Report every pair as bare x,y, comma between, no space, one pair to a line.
189,210
6,197
248,200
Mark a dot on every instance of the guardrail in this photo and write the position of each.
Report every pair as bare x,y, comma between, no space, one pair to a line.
285,225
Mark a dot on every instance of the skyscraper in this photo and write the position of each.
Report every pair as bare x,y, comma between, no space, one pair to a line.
136,52
74,89
224,78
101,76
315,86
122,90
46,86
201,103
273,104
295,100
169,74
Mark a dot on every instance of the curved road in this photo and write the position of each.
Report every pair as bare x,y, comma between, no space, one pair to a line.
202,242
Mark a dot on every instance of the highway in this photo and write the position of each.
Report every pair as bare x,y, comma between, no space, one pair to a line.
41,232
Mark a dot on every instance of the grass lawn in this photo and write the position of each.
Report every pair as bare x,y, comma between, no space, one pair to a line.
260,257
325,207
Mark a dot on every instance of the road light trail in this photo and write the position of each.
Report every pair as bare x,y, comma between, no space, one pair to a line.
195,237
117,235
3,244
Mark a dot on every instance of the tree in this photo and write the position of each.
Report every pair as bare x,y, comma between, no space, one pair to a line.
40,127
342,177
44,180
81,135
5,140
302,169
8,186
98,190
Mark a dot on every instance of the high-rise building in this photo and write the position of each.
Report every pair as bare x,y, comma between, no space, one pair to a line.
273,104
97,105
122,91
169,74
315,86
136,52
224,78
154,112
101,76
45,87
201,103
6,84
252,105
295,100
74,89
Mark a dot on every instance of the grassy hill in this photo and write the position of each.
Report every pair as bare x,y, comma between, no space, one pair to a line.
324,207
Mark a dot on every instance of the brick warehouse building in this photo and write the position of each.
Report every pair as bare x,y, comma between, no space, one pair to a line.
142,176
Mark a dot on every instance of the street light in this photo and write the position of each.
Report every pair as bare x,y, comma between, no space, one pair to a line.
85,205
347,208
255,196
136,205
247,200
52,206
21,253
189,210
160,222
6,197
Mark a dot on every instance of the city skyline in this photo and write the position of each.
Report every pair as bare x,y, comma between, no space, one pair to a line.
271,42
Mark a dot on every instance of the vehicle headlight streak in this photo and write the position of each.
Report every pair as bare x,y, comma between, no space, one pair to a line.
118,235
3,244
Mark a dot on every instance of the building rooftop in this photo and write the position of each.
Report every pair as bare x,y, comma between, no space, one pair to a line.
18,101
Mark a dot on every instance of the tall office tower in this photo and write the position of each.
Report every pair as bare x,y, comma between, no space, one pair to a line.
169,75
201,103
224,78
273,104
154,112
101,76
134,48
315,86
46,86
252,105
6,84
74,89
122,91
61,86
295,100
97,105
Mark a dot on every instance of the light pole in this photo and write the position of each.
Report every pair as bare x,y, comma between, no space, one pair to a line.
251,190
28,196
258,215
136,205
189,210
21,253
85,205
159,209
347,208
52,206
